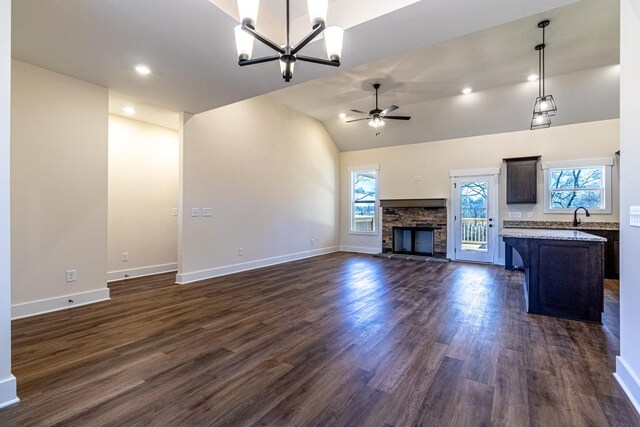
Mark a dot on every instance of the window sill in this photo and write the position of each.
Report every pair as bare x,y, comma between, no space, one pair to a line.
364,233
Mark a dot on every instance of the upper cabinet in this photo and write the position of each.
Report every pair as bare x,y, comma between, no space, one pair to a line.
522,173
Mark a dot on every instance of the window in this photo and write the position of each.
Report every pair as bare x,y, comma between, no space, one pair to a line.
585,183
364,211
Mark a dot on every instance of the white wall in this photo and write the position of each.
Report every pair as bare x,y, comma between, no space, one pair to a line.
143,191
58,190
434,160
270,174
628,363
7,381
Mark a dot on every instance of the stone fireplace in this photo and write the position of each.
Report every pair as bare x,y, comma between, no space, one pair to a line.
411,223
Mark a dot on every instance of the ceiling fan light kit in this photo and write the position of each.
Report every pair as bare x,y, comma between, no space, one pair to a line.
287,55
545,106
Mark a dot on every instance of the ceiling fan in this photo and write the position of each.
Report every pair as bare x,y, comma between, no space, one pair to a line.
377,116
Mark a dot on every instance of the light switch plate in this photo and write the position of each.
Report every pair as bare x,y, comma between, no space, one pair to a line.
515,214
174,211
634,216
195,212
207,211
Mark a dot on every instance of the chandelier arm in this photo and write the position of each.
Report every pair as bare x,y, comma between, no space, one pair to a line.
263,39
312,35
242,63
318,60
288,24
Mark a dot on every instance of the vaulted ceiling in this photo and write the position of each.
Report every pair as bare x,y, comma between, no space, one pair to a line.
423,53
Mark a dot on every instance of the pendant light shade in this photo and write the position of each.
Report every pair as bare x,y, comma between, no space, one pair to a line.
244,43
333,37
248,11
540,121
317,11
545,105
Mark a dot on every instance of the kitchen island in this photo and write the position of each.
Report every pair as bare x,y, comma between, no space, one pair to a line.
564,271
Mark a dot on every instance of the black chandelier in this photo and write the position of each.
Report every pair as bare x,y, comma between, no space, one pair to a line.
287,54
545,106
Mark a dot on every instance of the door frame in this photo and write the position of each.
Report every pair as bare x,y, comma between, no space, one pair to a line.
493,175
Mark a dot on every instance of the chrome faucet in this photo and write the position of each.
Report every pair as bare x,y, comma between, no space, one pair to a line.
576,221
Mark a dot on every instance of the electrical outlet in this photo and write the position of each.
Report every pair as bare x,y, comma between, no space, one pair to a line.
71,276
195,212
240,251
174,212
207,212
125,256
529,214
417,178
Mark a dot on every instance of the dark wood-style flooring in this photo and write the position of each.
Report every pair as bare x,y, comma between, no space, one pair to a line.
341,339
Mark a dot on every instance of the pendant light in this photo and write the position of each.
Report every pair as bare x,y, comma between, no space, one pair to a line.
287,55
545,106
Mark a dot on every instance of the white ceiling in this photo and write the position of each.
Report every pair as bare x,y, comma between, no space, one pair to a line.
422,52
582,36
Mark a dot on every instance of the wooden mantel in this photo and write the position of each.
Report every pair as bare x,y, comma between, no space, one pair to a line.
413,203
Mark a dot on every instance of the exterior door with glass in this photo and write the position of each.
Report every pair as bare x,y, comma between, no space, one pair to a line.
475,221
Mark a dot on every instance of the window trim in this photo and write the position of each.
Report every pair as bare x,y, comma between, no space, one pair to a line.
604,163
376,217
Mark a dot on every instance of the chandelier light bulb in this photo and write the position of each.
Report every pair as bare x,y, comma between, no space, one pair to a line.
244,43
333,37
248,11
317,11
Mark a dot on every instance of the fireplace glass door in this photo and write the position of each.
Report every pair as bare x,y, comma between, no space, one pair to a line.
413,241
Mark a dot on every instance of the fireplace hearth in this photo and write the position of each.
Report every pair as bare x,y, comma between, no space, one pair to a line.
415,226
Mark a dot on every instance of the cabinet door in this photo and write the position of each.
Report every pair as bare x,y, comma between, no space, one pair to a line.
521,181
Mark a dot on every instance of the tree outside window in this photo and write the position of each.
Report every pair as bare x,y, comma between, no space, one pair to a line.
363,201
570,188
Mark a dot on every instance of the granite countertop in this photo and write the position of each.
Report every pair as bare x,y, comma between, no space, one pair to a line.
536,233
562,225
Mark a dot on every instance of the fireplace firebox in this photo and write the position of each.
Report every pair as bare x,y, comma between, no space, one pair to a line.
413,240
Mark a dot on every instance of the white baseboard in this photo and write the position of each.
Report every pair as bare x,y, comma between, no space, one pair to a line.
34,308
113,276
360,249
628,381
8,395
184,278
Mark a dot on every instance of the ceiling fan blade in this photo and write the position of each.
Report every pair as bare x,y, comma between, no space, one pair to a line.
397,117
356,120
389,110
359,112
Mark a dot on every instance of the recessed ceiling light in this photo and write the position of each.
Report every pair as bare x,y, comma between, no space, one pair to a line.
343,115
466,90
129,110
143,70
532,77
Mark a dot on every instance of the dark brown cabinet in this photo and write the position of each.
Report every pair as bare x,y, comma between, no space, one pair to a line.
522,174
563,278
611,251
